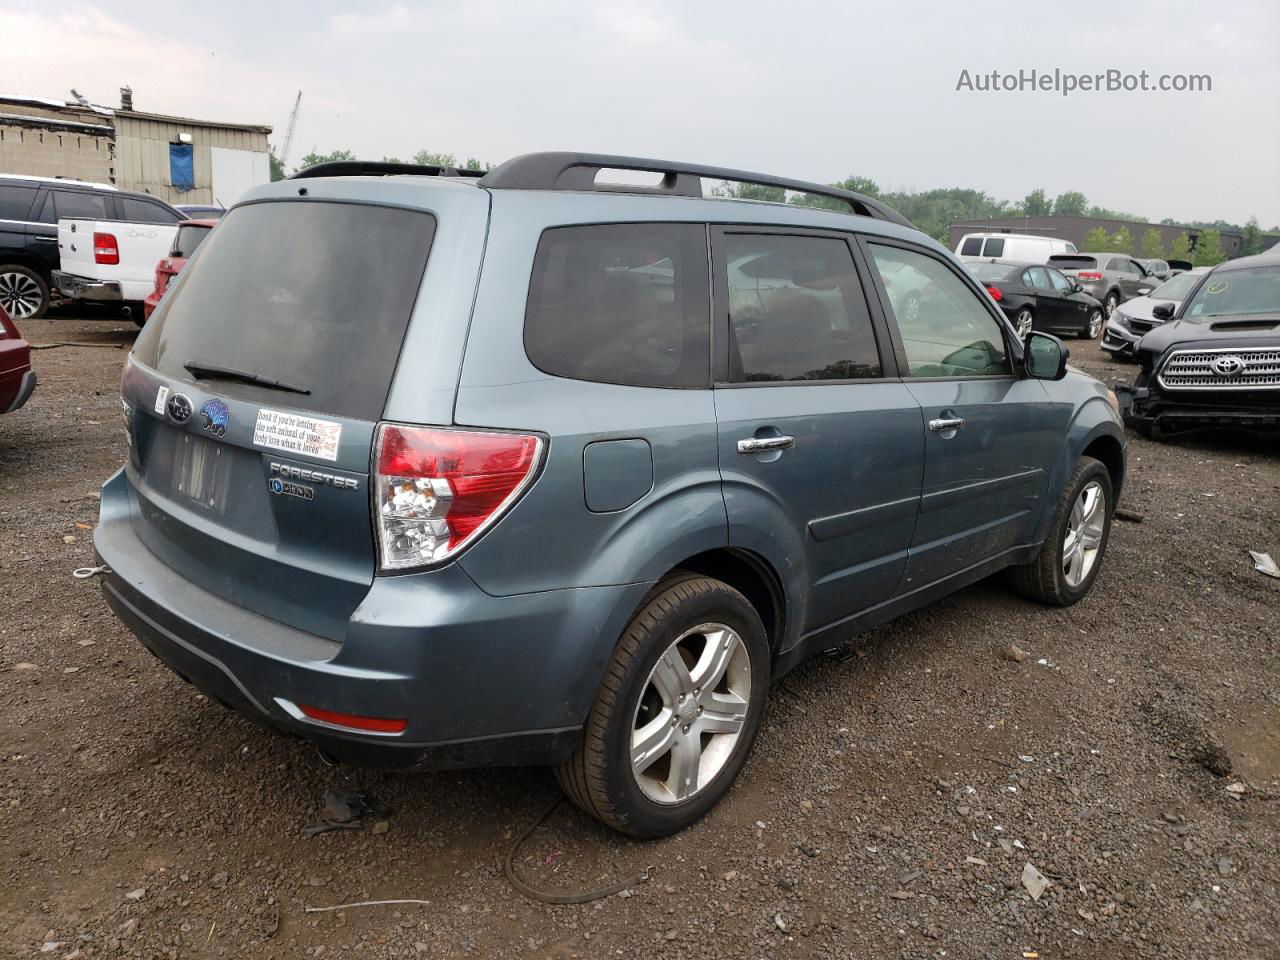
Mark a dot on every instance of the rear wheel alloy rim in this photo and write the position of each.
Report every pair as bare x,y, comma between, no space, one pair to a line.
19,295
1095,325
1084,534
1024,323
692,711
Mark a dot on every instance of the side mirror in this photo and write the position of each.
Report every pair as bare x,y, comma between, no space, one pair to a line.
1046,357
1077,288
1163,311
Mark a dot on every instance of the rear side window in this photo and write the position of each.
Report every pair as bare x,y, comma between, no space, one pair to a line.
1038,278
312,294
90,206
994,247
187,239
796,310
972,247
625,303
15,202
144,211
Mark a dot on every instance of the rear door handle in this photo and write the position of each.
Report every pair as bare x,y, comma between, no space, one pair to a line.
944,424
45,239
764,444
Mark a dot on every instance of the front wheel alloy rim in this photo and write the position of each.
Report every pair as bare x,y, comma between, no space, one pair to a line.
1110,306
1083,540
1095,325
692,711
19,295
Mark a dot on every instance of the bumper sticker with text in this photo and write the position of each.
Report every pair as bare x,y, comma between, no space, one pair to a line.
290,432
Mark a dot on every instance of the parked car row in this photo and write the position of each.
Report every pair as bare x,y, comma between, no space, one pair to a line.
32,249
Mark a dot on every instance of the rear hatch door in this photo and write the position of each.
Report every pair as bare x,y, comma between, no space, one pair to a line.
253,394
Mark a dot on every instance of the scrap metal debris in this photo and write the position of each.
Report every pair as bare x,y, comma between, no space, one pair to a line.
1263,563
344,809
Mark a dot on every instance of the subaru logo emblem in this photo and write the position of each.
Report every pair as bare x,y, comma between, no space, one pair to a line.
179,407
1227,366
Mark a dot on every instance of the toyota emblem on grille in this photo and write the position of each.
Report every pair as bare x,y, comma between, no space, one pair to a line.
1227,366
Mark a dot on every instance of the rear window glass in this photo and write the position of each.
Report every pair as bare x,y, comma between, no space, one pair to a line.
972,247
621,303
187,239
989,271
994,247
312,294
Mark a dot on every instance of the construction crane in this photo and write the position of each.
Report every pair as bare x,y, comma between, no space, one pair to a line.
288,136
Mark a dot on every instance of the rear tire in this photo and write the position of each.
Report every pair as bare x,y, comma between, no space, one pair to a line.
662,675
1079,524
24,294
1024,322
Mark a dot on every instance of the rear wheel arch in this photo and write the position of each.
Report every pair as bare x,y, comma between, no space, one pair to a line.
749,574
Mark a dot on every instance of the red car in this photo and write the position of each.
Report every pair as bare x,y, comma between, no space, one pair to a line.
191,234
17,379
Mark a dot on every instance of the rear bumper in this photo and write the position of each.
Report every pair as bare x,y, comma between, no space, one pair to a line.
480,680
11,399
82,288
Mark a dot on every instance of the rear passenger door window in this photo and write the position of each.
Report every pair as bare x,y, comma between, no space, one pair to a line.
625,303
949,333
796,310
145,211
90,206
1038,278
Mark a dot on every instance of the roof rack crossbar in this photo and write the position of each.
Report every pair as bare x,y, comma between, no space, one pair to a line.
381,168
578,171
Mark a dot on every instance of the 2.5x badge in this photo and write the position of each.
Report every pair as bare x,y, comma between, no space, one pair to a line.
287,488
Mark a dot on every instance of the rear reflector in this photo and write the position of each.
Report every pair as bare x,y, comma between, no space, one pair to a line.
353,722
438,489
105,249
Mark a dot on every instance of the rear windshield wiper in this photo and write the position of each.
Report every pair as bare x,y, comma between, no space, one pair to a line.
205,371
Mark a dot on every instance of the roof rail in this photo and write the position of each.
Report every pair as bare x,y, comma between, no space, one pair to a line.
381,168
577,171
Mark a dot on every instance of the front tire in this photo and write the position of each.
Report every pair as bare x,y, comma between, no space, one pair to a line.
1072,553
676,713
1109,305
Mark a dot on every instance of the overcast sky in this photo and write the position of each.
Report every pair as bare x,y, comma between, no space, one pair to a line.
814,91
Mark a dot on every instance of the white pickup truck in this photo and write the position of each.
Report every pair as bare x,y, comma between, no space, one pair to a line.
110,260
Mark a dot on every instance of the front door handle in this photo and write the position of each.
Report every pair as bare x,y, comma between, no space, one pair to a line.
943,424
765,444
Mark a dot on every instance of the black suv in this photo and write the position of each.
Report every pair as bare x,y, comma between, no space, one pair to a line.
30,208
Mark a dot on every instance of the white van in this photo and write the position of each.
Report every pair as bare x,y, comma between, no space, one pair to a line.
1011,246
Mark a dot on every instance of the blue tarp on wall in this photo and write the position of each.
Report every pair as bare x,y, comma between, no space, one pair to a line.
181,172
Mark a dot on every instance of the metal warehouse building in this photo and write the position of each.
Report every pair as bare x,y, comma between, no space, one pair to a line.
179,159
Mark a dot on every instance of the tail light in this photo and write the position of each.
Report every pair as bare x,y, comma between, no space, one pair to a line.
105,249
1089,275
438,489
996,295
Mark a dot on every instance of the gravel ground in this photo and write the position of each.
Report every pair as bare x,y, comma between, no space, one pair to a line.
889,810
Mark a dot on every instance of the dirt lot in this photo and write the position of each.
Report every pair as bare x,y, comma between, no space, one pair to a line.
888,810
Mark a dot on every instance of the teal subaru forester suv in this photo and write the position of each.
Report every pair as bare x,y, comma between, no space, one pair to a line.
548,466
